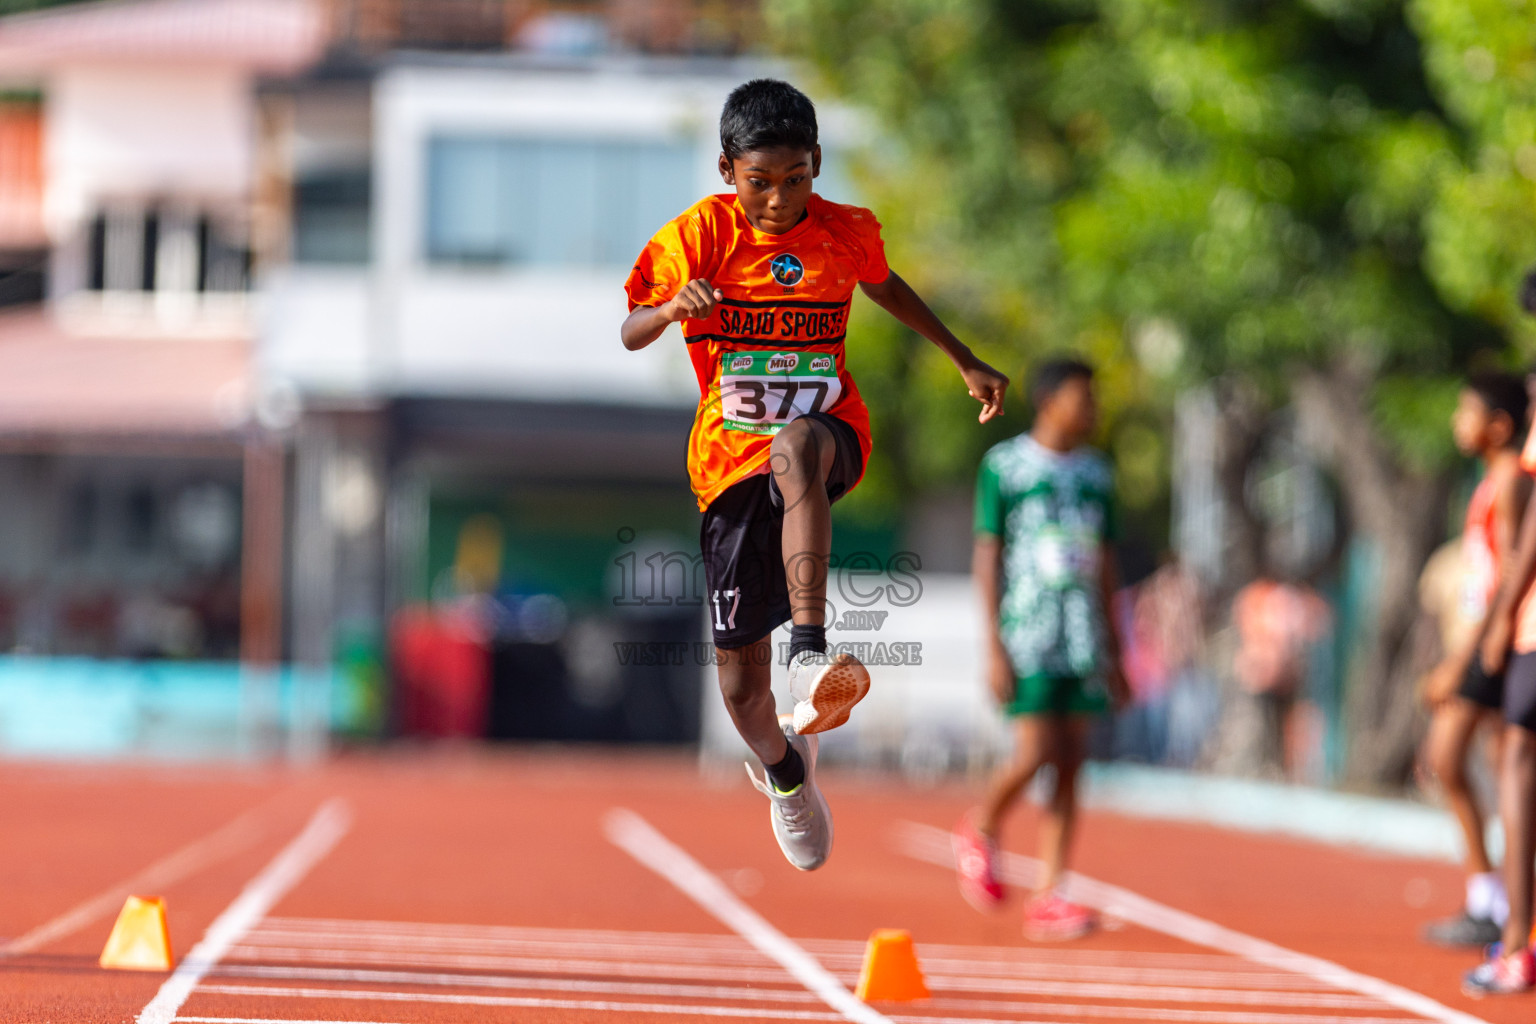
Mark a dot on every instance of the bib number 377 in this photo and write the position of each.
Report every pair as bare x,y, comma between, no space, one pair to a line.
760,391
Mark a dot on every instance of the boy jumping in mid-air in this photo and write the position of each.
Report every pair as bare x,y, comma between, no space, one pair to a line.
1044,570
761,281
1488,423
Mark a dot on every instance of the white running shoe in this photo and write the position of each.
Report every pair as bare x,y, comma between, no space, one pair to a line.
825,689
802,822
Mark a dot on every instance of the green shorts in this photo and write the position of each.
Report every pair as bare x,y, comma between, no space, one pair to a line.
1043,694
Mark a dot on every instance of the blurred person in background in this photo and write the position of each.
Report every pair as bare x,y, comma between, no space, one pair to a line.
1277,622
1510,637
1488,423
1174,703
1045,574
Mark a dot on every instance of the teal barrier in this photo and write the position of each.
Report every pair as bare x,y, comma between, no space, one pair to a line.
85,708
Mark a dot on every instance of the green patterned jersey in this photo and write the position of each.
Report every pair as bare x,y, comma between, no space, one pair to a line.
1054,512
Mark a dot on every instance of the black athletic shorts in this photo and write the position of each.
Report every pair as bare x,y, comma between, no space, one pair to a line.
1480,688
1520,691
742,542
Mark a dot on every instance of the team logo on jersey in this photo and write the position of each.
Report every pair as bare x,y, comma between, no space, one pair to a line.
739,363
787,269
783,362
821,363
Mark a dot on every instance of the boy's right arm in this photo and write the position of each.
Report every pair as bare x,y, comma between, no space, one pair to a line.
695,301
987,569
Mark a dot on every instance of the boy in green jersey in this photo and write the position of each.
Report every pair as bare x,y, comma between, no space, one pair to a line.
1044,568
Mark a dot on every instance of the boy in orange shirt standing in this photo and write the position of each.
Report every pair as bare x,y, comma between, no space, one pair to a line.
1488,423
1509,645
762,281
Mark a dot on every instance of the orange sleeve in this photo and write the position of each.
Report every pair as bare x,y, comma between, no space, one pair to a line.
668,261
872,266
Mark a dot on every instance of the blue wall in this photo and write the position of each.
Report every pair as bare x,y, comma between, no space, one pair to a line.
92,709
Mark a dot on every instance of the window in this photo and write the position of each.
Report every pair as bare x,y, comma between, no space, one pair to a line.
148,249
331,214
549,202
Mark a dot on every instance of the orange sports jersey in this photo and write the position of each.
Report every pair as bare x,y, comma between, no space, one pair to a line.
773,349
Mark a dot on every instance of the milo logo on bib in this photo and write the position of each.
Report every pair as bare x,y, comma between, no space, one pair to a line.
760,391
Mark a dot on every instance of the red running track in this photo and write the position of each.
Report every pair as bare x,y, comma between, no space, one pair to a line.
408,888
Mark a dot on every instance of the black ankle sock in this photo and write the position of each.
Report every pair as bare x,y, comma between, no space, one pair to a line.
807,638
788,773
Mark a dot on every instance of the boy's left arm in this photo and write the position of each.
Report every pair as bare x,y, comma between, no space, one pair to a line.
1114,671
897,298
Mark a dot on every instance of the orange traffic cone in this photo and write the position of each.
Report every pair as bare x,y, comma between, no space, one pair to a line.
140,940
890,969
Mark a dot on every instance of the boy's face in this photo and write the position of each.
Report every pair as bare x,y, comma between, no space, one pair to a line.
1073,410
773,185
1470,423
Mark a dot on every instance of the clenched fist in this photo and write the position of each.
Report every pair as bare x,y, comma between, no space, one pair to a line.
695,302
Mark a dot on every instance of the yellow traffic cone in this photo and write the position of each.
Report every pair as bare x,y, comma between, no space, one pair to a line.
891,973
140,940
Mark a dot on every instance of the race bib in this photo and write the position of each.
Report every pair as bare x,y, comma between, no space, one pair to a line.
1066,558
762,390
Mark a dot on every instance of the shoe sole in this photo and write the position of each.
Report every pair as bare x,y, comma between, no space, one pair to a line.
834,692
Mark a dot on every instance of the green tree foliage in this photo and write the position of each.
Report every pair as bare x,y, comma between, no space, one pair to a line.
1481,230
1194,187
1325,202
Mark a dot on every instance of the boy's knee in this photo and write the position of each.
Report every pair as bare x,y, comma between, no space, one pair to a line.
1448,764
740,686
794,449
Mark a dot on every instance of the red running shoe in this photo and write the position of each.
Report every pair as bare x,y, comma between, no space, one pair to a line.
1501,975
1051,917
976,866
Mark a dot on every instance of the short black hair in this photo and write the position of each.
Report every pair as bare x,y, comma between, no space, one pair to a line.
1502,392
766,113
1050,375
1528,291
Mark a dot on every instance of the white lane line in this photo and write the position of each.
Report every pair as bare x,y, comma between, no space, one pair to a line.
670,951
684,1009
1159,1013
1155,993
635,836
1331,998
830,953
325,829
797,995
266,1020
530,1002
201,853
542,965
924,842
627,943
615,988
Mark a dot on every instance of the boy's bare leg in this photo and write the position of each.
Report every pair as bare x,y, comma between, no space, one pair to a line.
1056,824
1451,732
1517,808
746,684
824,689
801,459
1032,747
